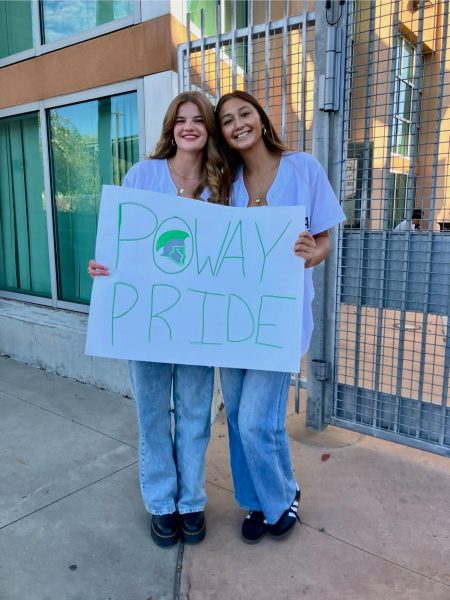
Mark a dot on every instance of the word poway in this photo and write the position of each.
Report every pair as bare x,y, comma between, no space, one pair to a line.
207,281
174,242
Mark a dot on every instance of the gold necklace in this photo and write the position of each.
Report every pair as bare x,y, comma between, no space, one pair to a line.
259,197
181,189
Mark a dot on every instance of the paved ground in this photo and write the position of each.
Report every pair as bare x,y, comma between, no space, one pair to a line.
376,516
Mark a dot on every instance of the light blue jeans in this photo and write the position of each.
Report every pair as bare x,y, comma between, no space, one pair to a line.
260,456
172,470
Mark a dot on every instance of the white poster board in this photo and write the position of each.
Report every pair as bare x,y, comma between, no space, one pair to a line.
196,283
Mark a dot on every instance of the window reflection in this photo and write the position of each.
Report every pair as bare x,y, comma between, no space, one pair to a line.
61,18
24,259
92,144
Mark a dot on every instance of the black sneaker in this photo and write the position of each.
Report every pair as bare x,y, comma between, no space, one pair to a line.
254,527
193,527
165,529
286,522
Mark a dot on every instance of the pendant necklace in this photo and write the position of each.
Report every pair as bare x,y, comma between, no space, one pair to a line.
175,176
259,196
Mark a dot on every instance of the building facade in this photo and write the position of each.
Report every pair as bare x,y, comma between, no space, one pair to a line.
84,85
398,104
363,84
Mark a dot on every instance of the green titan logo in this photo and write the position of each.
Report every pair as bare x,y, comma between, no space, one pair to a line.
172,242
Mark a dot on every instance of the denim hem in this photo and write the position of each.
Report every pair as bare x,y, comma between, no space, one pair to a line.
162,511
247,507
191,509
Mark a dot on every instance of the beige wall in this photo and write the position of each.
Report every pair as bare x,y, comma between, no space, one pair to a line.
380,100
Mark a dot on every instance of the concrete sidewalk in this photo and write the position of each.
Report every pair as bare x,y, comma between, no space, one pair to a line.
376,516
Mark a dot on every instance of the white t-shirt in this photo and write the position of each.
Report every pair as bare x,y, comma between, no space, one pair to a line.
154,175
405,226
300,181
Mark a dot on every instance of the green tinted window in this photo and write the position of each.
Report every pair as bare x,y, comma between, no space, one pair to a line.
209,8
60,18
16,30
92,144
397,198
24,260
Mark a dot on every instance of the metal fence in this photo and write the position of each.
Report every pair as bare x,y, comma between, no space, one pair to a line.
373,74
392,358
273,59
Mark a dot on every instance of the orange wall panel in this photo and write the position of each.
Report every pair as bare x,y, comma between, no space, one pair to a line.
136,51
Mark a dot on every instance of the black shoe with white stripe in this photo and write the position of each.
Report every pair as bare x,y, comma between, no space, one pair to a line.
286,522
254,527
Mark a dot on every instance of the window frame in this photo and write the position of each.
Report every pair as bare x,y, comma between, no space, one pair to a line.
132,85
413,84
409,196
40,48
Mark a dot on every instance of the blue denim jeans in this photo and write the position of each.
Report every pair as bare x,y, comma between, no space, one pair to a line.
260,456
172,470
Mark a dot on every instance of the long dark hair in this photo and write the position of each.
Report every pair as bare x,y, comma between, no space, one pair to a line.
230,158
212,162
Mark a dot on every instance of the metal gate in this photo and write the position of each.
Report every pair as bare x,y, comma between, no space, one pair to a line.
272,57
363,86
392,351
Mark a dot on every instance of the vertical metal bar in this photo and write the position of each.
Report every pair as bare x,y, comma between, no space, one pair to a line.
414,135
267,59
249,47
180,63
48,204
430,234
284,71
267,10
445,378
366,174
202,48
303,84
437,130
346,91
384,235
188,50
321,150
336,143
217,47
233,44
446,373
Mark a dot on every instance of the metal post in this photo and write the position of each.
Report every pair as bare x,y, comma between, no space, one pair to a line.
327,135
217,50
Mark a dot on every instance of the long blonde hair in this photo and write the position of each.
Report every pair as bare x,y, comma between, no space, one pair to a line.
212,162
231,160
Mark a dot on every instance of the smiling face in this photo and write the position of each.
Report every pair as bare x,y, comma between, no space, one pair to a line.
189,132
240,124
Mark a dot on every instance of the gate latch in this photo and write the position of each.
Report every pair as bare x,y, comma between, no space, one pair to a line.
319,368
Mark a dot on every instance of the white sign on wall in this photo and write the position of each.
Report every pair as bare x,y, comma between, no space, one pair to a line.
197,283
351,177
